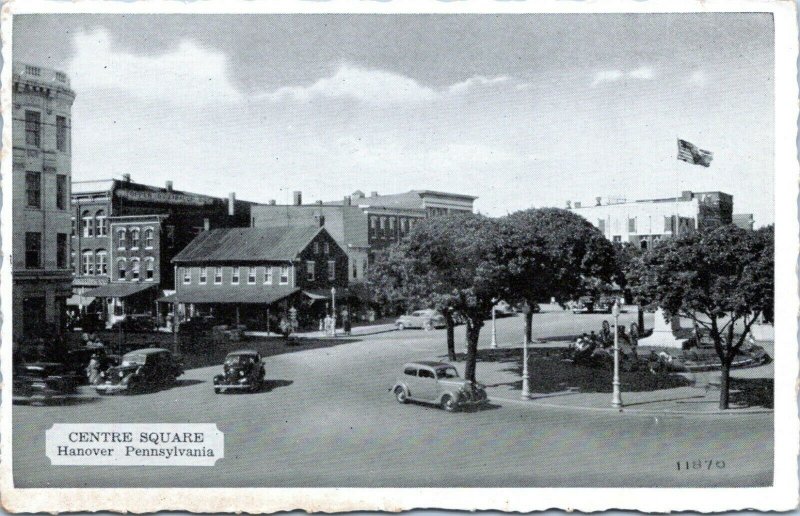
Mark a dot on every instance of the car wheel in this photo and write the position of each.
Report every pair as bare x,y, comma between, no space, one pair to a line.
400,394
217,390
401,326
449,403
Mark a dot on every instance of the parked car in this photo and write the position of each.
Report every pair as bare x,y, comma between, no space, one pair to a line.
426,319
242,370
197,324
438,383
589,305
40,381
503,309
135,323
140,370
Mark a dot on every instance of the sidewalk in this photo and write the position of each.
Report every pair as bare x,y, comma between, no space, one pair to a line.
504,386
358,331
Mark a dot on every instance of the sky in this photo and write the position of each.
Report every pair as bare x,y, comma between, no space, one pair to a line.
518,110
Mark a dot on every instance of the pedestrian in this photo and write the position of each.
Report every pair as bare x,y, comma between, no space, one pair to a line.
346,323
93,370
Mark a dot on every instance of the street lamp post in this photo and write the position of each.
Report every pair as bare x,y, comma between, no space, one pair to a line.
526,387
616,399
494,326
333,310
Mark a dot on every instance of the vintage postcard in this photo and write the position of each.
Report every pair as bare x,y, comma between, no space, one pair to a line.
338,256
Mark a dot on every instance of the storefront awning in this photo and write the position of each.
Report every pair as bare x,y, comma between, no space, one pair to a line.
254,295
119,289
79,300
314,295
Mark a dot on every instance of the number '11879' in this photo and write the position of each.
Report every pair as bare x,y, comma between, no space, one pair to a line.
686,465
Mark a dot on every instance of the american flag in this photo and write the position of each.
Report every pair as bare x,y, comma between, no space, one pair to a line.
690,153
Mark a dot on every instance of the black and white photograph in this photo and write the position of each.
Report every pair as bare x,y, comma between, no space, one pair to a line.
269,255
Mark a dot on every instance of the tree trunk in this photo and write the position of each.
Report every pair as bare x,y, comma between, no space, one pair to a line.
641,319
724,385
473,332
451,338
528,312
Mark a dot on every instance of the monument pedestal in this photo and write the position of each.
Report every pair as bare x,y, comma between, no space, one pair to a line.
663,332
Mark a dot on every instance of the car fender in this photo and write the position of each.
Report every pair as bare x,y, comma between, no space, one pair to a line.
452,393
402,386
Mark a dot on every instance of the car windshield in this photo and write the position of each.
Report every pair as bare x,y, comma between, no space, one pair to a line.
134,359
240,359
446,372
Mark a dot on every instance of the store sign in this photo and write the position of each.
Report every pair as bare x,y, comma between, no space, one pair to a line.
164,197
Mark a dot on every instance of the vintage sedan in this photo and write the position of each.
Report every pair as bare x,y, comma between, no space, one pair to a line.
438,383
42,381
242,371
141,370
425,319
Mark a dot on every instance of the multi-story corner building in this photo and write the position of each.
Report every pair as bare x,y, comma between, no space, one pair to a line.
251,275
41,137
125,234
363,224
645,222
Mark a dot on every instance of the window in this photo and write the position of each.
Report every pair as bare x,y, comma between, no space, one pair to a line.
187,275
364,269
391,223
148,238
61,250
33,70
121,268
251,275
150,267
382,223
33,189
235,276
424,373
327,247
101,223
316,247
87,261
632,225
601,225
73,226
72,261
135,238
101,259
87,224
410,371
373,222
203,275
134,269
61,191
617,238
121,237
33,250
331,270
669,224
268,276
217,275
61,77
33,128
284,275
310,271
61,133
355,270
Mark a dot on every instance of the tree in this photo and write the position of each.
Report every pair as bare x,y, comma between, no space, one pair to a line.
552,252
626,254
722,280
453,264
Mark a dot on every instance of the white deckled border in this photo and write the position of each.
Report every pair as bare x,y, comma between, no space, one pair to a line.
783,495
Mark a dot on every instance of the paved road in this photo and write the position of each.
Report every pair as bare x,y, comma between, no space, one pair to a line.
327,420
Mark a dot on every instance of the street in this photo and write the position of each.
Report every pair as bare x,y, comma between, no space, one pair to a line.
326,419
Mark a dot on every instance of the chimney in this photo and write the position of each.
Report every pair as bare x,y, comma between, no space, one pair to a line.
569,205
319,202
297,197
126,178
321,220
271,202
599,201
577,204
373,194
347,201
231,203
686,195
169,186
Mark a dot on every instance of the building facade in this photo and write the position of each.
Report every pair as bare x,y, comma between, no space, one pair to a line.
125,236
362,224
41,137
252,275
646,222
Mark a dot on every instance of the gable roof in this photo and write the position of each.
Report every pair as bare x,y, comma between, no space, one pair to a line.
248,244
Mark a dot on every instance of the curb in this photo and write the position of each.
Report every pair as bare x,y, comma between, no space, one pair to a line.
632,411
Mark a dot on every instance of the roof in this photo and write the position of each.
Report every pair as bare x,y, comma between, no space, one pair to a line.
429,363
119,289
412,199
243,352
98,185
248,244
231,294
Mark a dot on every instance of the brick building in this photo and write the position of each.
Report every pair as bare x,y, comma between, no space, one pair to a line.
41,139
253,275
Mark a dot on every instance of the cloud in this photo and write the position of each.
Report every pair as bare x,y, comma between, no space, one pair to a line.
477,81
189,73
641,73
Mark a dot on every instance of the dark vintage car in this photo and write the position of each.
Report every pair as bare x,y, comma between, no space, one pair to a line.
141,370
135,323
438,383
242,371
42,381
